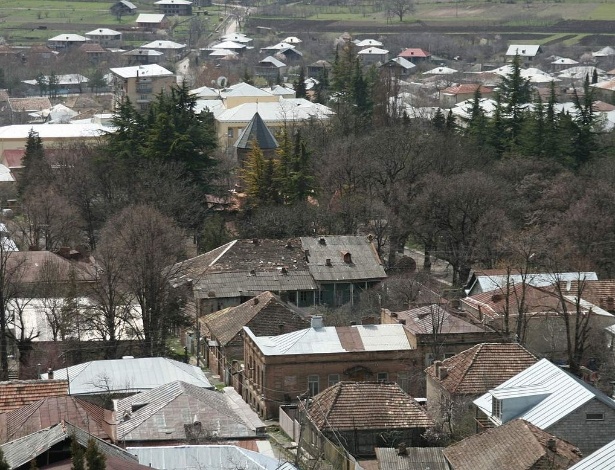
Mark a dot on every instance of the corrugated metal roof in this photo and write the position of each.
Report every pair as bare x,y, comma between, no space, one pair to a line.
235,284
326,340
602,459
134,375
417,458
21,451
566,394
212,457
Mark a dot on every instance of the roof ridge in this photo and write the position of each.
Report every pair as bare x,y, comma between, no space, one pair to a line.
303,332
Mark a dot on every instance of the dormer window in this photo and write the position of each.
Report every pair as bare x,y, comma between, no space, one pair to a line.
347,257
496,408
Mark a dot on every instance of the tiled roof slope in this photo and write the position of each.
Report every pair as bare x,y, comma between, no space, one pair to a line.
415,458
18,393
263,314
483,367
49,411
600,293
517,445
430,318
366,405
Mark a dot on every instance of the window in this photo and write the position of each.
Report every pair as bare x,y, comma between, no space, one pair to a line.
403,380
448,354
333,379
496,407
313,382
382,377
230,132
594,416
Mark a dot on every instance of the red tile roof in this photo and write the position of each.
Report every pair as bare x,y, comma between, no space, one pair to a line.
482,367
517,445
18,393
13,157
366,405
429,318
414,52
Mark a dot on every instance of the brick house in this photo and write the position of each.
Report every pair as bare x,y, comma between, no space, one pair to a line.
141,84
554,401
265,315
516,445
453,384
278,369
363,416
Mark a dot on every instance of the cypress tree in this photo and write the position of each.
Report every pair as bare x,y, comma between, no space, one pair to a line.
300,90
76,454
3,464
36,170
94,458
438,120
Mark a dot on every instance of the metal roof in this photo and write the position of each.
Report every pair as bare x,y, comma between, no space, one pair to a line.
566,393
256,130
235,284
149,18
128,375
149,70
331,339
602,459
211,457
430,458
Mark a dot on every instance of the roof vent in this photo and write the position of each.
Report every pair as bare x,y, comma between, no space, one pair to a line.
328,262
322,240
255,241
347,257
255,301
289,244
552,444
284,270
402,449
317,321
252,272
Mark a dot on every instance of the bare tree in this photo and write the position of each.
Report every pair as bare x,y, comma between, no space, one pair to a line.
399,8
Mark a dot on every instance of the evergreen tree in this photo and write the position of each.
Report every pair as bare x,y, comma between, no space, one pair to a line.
496,133
247,78
299,84
515,93
95,459
451,124
53,85
36,170
284,154
302,181
3,464
477,122
584,120
41,81
259,176
76,452
595,77
532,138
33,465
3,83
439,121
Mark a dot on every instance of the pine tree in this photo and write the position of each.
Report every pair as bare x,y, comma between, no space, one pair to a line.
439,121
595,77
95,459
477,122
3,464
451,123
496,133
584,120
302,181
260,178
76,454
299,84
36,170
515,93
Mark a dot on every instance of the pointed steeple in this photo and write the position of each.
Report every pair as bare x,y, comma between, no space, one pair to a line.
256,130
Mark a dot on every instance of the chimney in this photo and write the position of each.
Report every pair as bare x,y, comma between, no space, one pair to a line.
289,244
401,449
281,327
255,301
437,365
306,253
284,270
402,322
322,241
316,321
50,374
442,372
328,262
568,285
552,444
252,272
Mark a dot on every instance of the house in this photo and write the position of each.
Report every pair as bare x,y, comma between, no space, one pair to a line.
279,368
452,95
265,315
415,55
318,69
289,55
605,90
437,333
18,393
51,448
526,52
367,43
492,279
142,56
363,416
127,376
141,84
453,384
212,457
373,55
151,21
411,458
21,108
305,271
556,402
175,7
401,67
49,411
105,37
602,459
172,50
94,52
179,412
270,68
123,7
514,446
58,84
537,314
66,40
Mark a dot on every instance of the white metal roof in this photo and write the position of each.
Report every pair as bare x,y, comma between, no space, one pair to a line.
566,394
68,37
523,50
373,51
103,32
149,18
205,92
441,71
150,70
228,45
211,457
580,71
286,109
52,131
564,61
223,53
498,281
602,459
292,40
405,63
243,89
236,37
173,2
163,45
132,375
279,47
368,43
326,340
273,61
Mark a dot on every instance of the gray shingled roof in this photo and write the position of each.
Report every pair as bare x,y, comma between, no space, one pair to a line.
256,130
